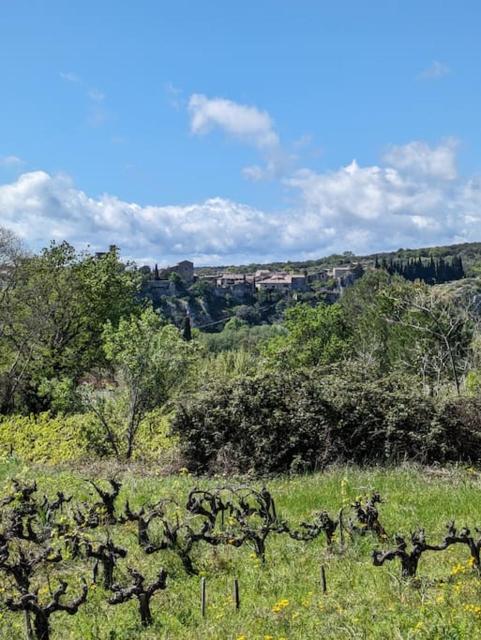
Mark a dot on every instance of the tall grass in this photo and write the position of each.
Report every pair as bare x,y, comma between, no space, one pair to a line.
283,599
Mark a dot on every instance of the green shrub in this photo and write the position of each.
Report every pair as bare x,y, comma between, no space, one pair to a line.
47,439
255,424
58,439
294,422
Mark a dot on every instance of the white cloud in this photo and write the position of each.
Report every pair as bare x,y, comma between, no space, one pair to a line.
418,157
247,124
414,199
242,121
174,95
360,208
11,161
435,71
97,114
40,207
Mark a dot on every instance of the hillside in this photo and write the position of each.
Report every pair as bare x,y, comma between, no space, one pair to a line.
469,252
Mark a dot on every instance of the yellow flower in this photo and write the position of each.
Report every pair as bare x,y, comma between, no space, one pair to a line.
472,608
280,605
457,569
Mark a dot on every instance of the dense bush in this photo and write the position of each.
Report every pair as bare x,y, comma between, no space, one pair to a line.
298,422
259,424
384,420
459,429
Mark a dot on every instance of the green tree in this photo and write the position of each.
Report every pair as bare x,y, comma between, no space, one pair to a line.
316,335
149,360
441,329
52,318
187,329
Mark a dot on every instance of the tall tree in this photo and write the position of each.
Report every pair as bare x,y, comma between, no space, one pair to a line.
51,319
149,360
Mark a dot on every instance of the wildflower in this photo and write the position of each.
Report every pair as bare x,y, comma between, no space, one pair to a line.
280,605
472,608
457,569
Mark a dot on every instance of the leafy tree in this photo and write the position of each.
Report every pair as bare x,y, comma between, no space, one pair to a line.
441,331
316,336
248,314
51,320
149,361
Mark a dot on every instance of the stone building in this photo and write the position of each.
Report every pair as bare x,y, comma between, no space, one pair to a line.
184,269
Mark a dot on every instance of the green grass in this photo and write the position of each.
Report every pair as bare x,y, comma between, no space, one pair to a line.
363,601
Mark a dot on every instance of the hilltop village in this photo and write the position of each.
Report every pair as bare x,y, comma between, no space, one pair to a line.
335,279
213,297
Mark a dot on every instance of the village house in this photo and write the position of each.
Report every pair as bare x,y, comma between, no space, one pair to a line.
184,269
231,279
283,282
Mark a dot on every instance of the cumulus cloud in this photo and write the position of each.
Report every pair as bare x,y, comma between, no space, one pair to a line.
418,157
69,76
247,124
239,120
413,198
40,207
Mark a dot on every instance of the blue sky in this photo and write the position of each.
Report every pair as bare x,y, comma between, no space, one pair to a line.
226,131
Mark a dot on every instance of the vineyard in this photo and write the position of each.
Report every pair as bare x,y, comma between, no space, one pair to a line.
346,554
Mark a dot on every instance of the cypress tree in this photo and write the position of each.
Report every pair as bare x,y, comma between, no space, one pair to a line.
187,329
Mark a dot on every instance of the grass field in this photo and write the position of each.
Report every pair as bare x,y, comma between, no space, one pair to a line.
283,599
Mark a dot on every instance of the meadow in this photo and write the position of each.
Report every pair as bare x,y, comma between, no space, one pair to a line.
283,598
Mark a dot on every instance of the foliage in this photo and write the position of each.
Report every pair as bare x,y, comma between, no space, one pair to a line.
55,439
316,336
149,360
51,321
260,424
288,422
44,438
237,335
430,271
